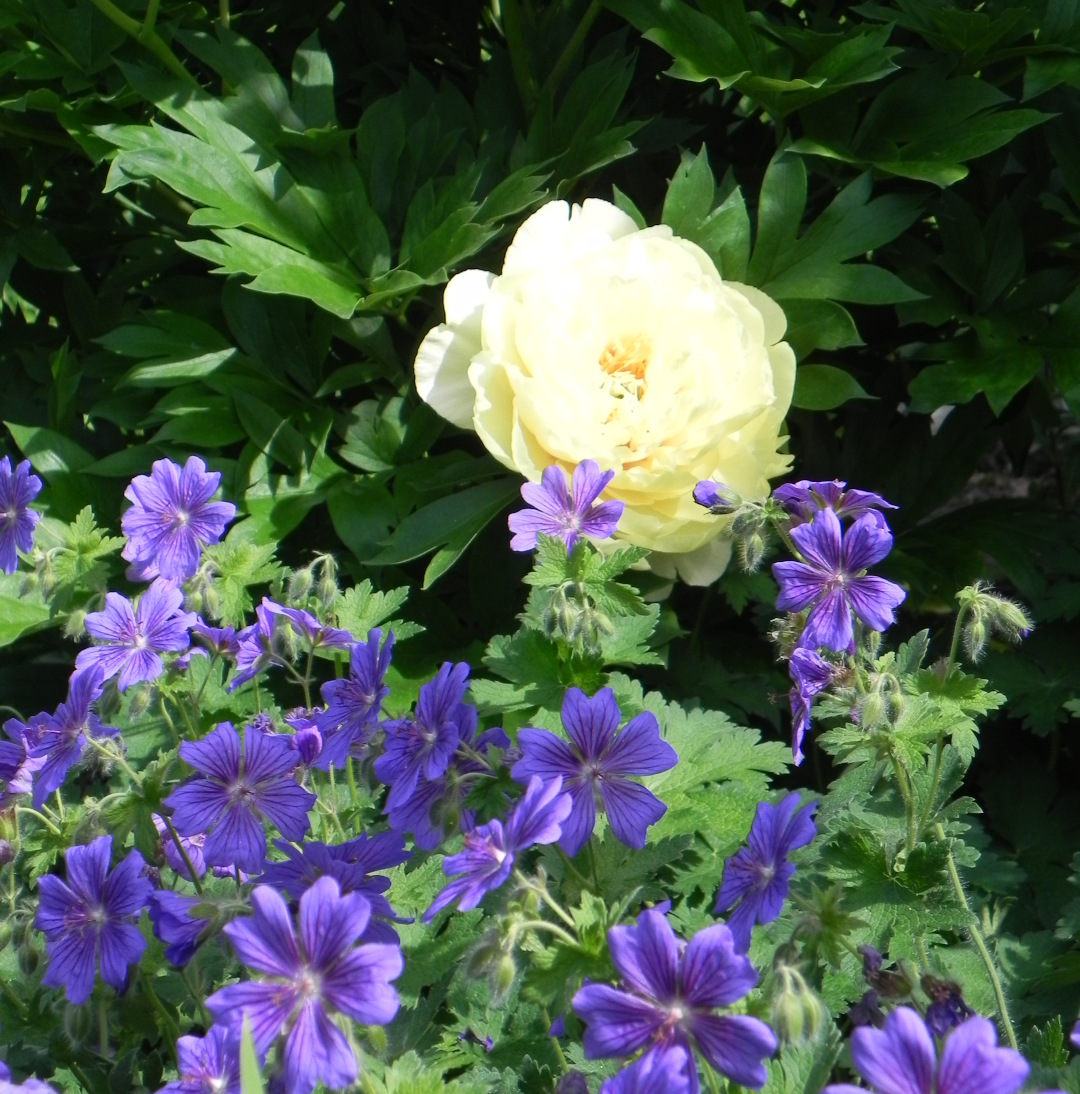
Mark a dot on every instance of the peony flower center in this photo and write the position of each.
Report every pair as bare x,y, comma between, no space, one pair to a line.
625,360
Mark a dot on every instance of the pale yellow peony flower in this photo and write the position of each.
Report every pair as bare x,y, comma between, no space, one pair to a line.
604,341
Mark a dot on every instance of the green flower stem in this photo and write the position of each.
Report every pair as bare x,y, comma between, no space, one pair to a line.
514,29
151,18
103,1029
183,853
977,939
554,1041
223,13
59,806
904,784
351,775
541,891
552,928
27,811
572,48
206,680
958,630
12,998
169,722
780,527
935,782
148,38
171,1030
197,995
581,878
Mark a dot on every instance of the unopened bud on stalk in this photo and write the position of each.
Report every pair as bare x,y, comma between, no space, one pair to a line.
75,624
5,935
975,636
7,854
751,551
326,589
300,583
78,1024
797,1012
872,710
505,972
140,700
28,958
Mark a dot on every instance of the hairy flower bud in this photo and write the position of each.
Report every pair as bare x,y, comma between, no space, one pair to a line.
975,636
751,551
74,624
797,1012
300,583
505,971
7,854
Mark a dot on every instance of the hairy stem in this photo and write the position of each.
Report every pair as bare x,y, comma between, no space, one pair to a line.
978,940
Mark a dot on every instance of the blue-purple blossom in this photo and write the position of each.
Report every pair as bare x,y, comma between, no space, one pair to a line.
565,514
803,500
255,646
91,915
423,744
136,637
811,674
596,766
317,635
435,805
756,877
487,858
309,975
18,489
900,1059
353,704
61,737
1074,1037
659,1071
667,998
350,864
24,736
192,846
833,582
230,797
27,1086
172,518
207,1065
718,499
170,914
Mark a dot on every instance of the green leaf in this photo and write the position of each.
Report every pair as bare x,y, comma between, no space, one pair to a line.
19,613
251,1081
437,524
49,452
824,387
818,324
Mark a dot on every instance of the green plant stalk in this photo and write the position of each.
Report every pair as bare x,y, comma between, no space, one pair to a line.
542,892
954,648
572,49
906,793
514,29
977,939
171,1030
183,854
150,39
935,782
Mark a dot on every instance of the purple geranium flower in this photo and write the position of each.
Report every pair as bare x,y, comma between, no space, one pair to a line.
1074,1037
172,518
317,635
192,846
24,737
255,646
311,974
803,500
597,763
832,580
718,499
230,797
170,913
435,806
660,1071
136,637
17,490
900,1059
756,877
90,914
353,704
207,1065
667,1000
566,514
62,736
350,865
27,1086
424,743
811,674
488,856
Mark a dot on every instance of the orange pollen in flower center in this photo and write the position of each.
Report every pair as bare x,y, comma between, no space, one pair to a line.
628,355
